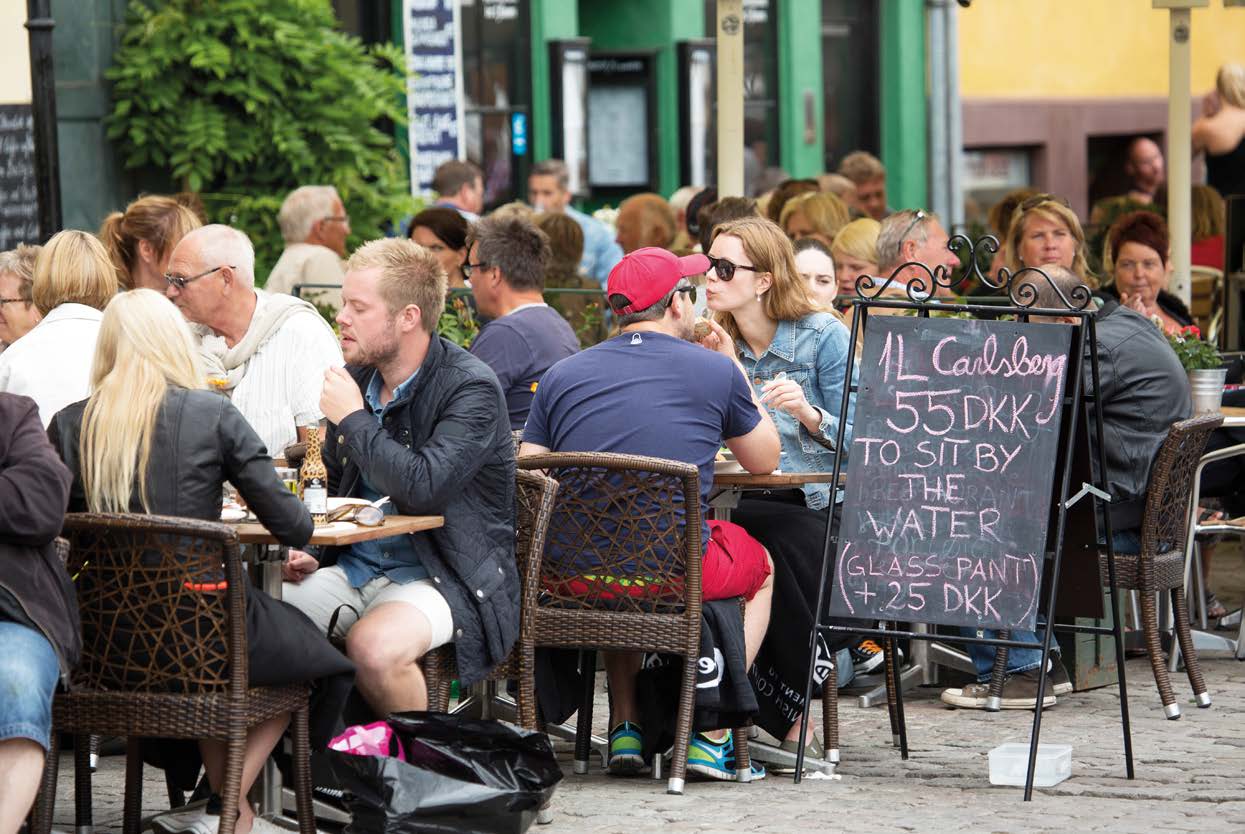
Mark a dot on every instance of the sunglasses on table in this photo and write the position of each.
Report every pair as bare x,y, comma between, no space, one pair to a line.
725,270
365,515
180,282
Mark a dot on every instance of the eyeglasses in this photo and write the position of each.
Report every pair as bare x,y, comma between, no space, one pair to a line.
687,288
725,270
337,218
4,301
180,282
469,268
920,215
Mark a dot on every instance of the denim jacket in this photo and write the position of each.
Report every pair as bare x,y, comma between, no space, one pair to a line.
812,351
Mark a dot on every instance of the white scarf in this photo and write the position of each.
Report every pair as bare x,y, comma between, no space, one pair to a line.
229,363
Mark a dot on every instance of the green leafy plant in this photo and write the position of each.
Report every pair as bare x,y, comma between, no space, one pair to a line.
1194,353
457,322
244,101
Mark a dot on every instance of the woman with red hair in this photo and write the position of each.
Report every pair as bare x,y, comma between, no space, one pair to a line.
1139,246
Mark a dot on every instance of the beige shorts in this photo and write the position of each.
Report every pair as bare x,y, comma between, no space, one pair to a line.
327,590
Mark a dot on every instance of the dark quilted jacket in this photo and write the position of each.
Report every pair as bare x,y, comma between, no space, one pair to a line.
445,449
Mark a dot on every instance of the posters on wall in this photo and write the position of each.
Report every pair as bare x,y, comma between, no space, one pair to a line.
435,89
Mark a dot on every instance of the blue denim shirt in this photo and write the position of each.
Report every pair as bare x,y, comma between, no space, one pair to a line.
601,250
395,556
813,352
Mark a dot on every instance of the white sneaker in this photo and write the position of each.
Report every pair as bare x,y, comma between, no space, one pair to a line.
180,819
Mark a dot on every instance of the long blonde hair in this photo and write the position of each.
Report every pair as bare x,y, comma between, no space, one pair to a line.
144,347
770,251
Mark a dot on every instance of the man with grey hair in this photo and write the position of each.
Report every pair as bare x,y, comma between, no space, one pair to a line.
548,189
506,262
1142,390
315,227
914,235
267,352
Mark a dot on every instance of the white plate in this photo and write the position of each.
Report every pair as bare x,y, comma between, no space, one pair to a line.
232,515
728,467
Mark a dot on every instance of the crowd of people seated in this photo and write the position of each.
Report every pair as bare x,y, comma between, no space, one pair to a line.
155,343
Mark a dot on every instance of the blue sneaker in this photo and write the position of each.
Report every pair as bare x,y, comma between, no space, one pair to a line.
626,746
716,759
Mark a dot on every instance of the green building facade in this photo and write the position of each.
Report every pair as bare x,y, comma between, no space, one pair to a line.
822,78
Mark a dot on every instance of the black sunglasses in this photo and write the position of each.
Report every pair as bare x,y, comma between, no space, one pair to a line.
180,282
687,288
725,270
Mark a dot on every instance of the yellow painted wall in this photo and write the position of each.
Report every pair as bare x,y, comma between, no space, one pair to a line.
14,53
1086,48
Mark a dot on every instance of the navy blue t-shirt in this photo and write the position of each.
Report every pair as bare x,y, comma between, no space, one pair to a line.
520,347
644,393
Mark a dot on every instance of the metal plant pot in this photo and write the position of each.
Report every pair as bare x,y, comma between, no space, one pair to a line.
1207,389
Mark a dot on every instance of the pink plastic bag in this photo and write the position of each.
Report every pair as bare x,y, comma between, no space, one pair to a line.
375,739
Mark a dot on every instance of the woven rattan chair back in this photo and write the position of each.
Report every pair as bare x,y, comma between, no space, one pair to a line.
625,534
1166,520
156,596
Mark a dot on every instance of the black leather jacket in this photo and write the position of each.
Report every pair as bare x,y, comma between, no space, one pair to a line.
34,486
201,440
1144,390
445,449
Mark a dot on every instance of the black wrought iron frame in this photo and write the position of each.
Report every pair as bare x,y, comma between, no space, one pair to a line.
1021,289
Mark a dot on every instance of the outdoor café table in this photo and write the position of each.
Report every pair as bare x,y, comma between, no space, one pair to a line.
268,555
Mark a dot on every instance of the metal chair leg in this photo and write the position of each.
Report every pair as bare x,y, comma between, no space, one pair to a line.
583,728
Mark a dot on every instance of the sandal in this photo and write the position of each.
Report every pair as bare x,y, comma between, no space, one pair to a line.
1215,609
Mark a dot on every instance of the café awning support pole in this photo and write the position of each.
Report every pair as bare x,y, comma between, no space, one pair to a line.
39,24
1179,142
730,49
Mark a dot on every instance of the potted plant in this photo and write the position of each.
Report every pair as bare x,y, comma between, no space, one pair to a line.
1202,363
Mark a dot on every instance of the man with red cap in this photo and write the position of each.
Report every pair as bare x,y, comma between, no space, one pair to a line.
651,391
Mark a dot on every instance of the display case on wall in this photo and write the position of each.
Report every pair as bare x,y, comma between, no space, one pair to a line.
622,123
568,93
697,98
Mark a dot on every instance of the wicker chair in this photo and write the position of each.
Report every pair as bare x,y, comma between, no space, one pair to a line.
1160,565
164,655
622,572
534,498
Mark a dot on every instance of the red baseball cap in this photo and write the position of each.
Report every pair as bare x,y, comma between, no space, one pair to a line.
645,276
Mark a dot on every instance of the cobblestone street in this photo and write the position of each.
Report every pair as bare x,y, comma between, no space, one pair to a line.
1190,775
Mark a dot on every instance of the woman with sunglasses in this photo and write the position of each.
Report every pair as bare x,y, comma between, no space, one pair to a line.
1044,230
795,353
151,439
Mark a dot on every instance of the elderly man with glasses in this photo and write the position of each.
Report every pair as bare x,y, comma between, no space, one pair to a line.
267,352
915,235
651,391
315,227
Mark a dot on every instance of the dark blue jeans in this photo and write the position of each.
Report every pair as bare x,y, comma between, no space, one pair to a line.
1025,660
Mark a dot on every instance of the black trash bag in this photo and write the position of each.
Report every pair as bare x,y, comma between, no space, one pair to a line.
460,775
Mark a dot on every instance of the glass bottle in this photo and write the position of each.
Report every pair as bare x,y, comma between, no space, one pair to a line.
313,479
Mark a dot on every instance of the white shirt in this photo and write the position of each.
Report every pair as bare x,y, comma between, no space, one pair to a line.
308,263
52,363
284,378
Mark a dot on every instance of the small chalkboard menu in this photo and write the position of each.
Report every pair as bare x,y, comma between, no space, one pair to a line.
19,197
949,476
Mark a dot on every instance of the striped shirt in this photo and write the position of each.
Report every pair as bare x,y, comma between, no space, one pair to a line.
284,378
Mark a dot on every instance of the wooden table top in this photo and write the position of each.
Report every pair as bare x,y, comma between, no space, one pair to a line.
1233,410
346,532
778,479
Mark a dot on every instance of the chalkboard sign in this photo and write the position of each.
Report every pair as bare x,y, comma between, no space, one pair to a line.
19,198
949,475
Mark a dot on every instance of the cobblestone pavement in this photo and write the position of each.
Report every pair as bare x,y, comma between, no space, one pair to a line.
1190,775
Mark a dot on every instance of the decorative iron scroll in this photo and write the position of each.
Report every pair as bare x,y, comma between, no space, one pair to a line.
1023,292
